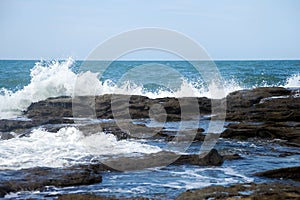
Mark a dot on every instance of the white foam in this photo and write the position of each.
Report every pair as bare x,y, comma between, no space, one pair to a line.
200,177
66,147
293,81
50,80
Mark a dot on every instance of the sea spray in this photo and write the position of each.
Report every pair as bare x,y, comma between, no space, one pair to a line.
66,147
47,80
293,81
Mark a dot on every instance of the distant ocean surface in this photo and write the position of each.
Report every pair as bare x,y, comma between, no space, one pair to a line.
25,81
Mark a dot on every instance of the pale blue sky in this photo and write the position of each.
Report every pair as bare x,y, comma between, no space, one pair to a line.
228,29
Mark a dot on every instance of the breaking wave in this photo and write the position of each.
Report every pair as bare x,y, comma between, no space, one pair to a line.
66,147
56,78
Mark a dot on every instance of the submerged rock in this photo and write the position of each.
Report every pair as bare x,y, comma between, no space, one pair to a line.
285,173
244,191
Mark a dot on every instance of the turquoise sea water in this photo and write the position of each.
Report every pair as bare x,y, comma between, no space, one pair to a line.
15,74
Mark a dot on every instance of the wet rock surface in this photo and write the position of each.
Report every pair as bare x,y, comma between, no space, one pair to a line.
287,132
283,173
116,106
244,191
271,113
277,108
254,105
39,177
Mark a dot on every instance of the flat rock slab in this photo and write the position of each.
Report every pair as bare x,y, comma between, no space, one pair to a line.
244,191
117,106
288,132
285,173
39,177
263,104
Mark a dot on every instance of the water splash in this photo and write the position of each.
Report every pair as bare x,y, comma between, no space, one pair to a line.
48,79
66,147
293,81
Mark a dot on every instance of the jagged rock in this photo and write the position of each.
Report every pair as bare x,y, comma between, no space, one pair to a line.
257,104
116,107
244,191
263,104
247,98
260,104
286,173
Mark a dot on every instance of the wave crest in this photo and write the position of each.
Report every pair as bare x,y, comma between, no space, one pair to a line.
56,78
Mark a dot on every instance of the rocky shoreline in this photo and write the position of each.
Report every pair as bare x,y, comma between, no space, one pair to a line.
267,113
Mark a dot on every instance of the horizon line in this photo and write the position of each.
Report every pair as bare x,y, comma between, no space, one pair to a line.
250,59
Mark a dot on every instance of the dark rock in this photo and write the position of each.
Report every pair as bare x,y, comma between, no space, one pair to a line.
6,136
244,191
54,107
7,125
263,104
164,158
213,158
289,132
116,107
247,98
185,135
285,173
246,105
20,126
39,177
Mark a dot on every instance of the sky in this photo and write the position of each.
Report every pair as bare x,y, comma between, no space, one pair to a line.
228,29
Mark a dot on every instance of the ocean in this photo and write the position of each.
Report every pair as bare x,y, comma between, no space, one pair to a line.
23,82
